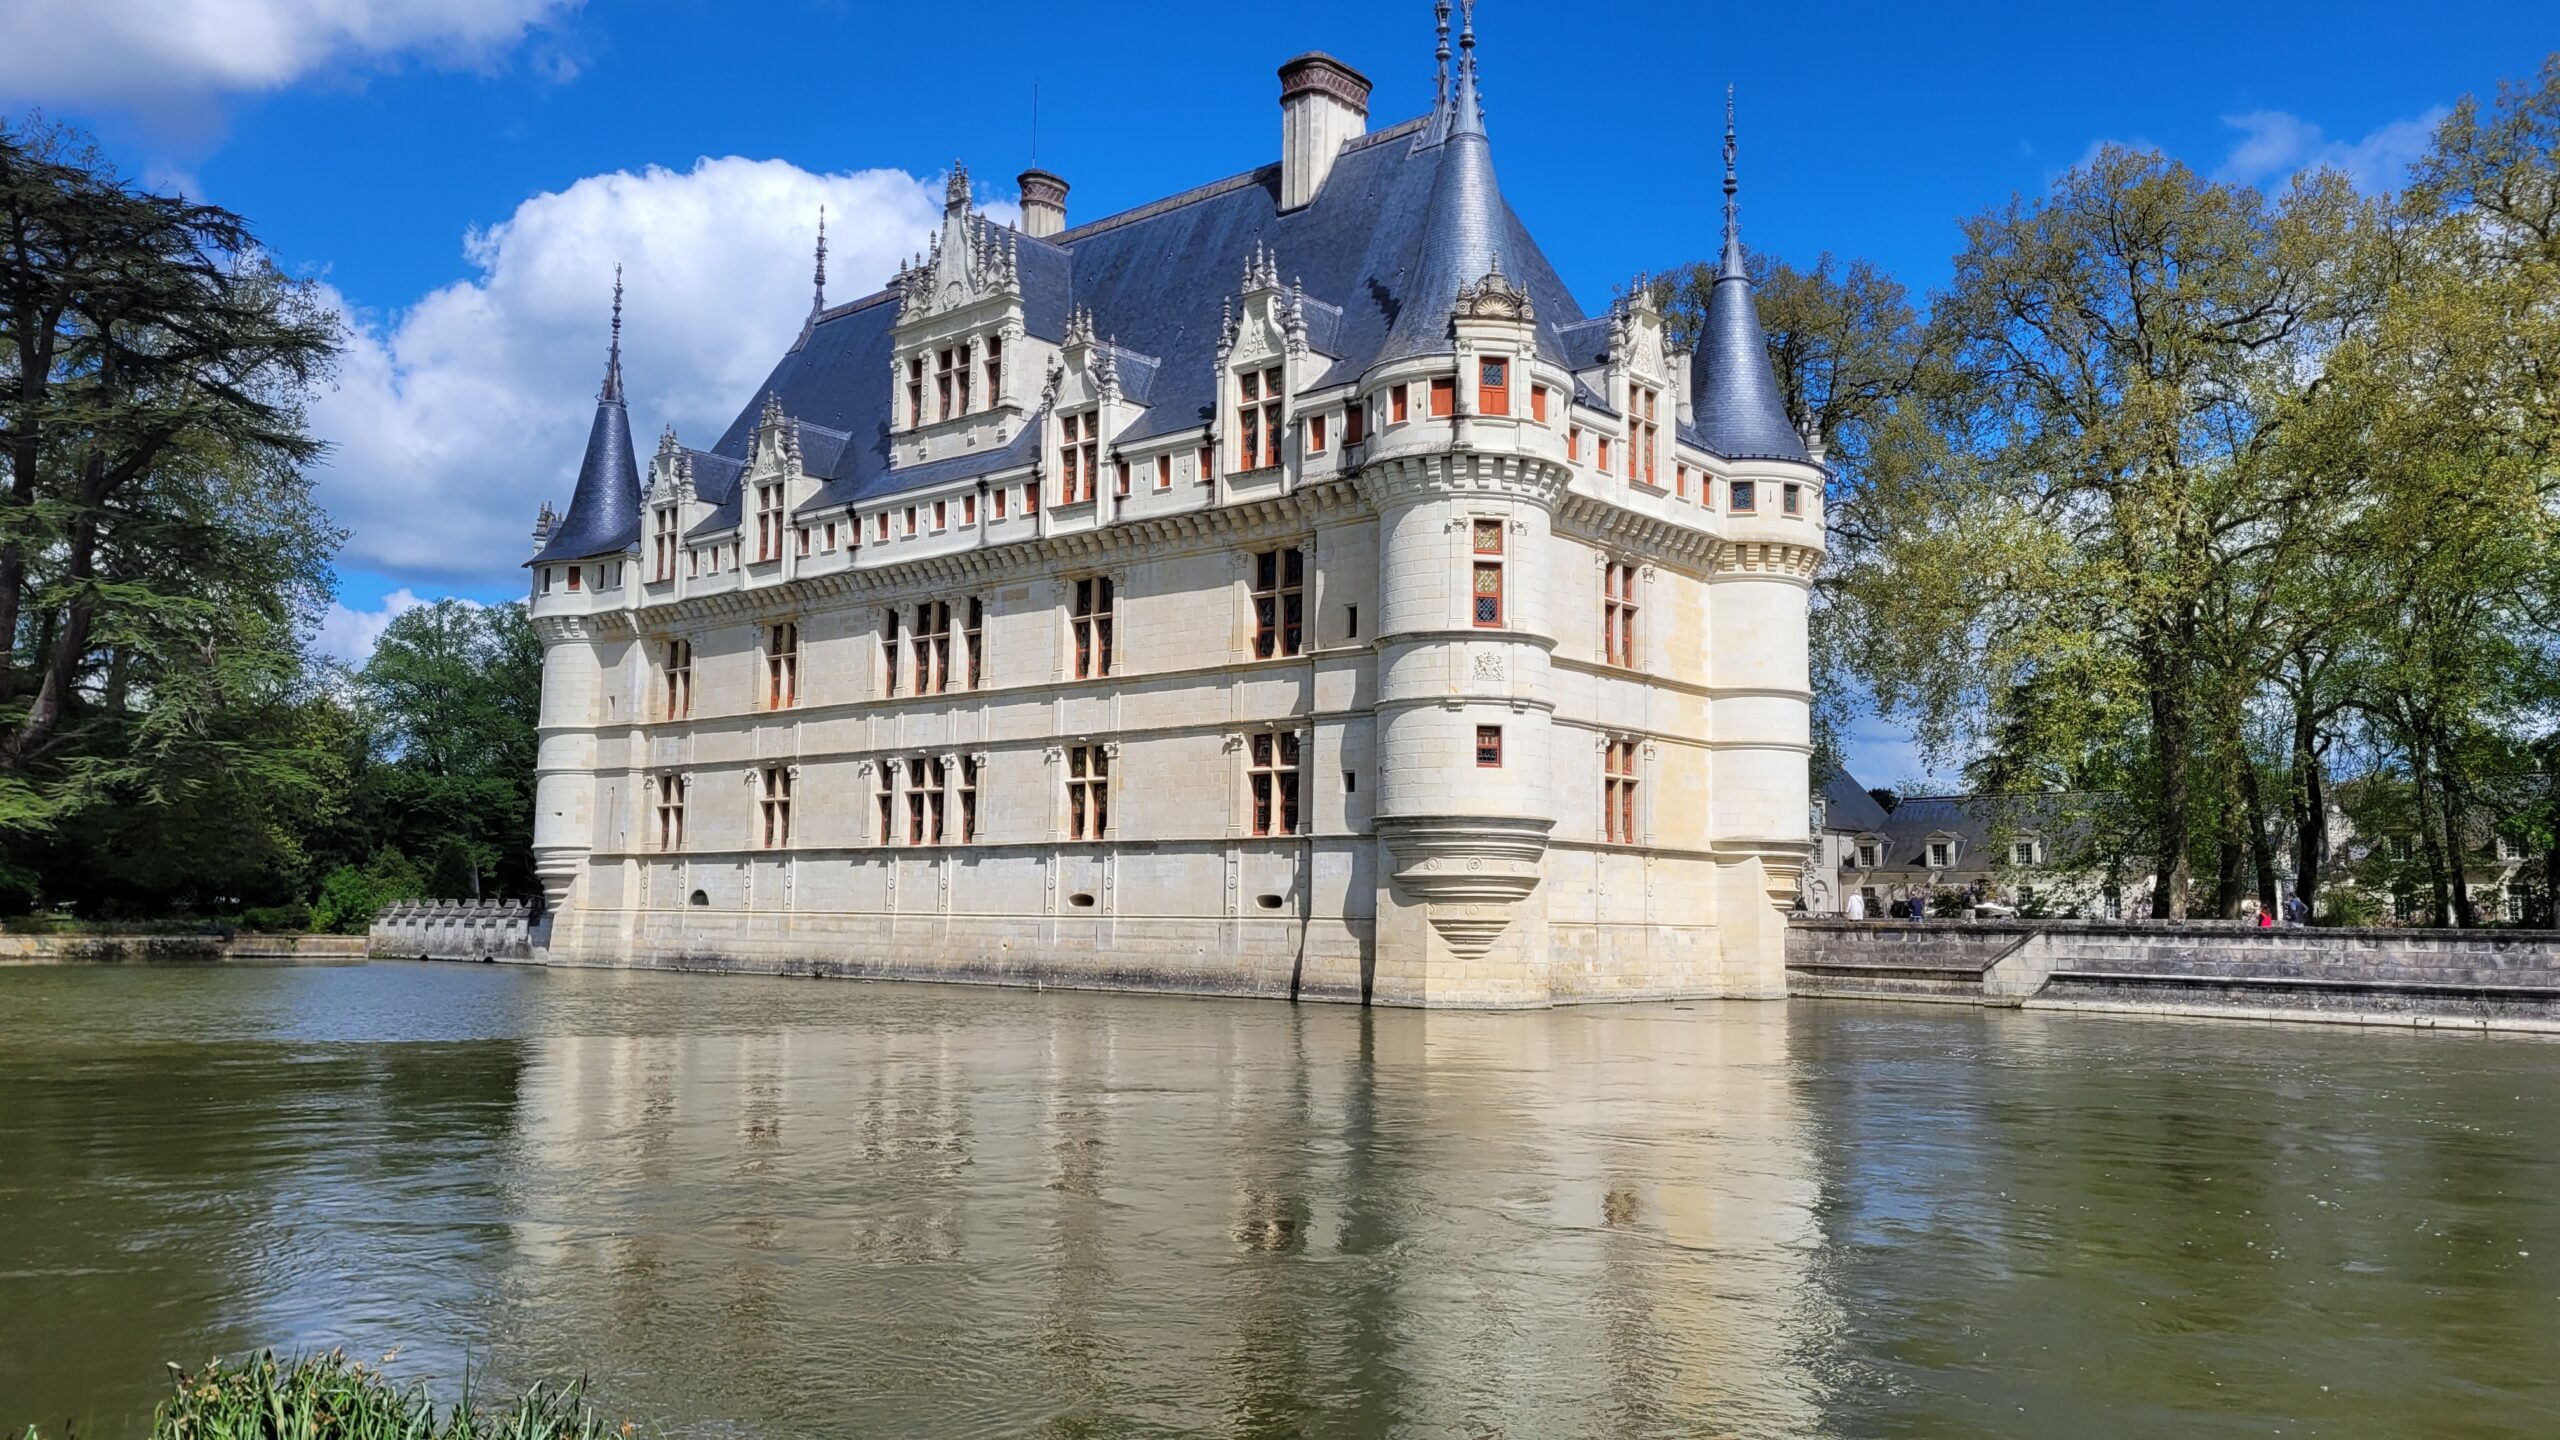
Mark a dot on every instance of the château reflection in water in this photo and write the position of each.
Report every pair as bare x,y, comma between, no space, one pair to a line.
770,1208
1090,1214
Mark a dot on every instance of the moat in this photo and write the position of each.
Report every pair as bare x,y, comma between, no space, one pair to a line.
773,1208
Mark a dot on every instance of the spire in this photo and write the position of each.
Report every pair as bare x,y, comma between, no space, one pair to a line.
1732,265
818,301
1733,388
604,509
1466,224
612,392
1440,96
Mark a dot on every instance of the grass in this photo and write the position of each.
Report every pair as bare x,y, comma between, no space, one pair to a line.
329,1397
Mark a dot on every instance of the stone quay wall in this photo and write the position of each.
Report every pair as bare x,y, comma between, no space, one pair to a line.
453,930
2490,979
212,947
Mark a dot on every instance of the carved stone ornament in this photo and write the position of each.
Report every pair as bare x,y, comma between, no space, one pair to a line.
1488,665
1494,297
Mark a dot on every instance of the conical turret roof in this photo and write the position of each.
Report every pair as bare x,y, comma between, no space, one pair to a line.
1463,230
1741,413
604,511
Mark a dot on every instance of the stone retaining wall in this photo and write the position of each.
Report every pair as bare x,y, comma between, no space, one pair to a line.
453,930
212,947
2492,978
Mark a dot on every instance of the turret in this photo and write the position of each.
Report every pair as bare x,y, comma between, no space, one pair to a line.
604,509
1735,398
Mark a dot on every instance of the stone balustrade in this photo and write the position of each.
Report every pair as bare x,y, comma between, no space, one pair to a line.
453,930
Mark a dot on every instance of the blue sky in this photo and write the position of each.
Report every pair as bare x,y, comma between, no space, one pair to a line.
463,174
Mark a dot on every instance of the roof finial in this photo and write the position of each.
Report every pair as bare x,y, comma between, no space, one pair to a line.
818,301
1440,98
613,355
1732,209
1467,107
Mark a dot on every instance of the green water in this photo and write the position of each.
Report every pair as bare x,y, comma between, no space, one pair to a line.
779,1208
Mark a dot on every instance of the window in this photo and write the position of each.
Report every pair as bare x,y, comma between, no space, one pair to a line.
1573,444
776,806
974,639
667,544
1088,792
915,392
1164,472
768,522
1031,499
1489,747
1866,855
1941,854
1538,403
889,650
1208,463
831,537
911,522
670,798
1742,497
1355,423
1272,781
995,368
1618,793
1444,396
941,515
968,510
968,798
1644,410
1618,613
1315,434
1279,602
1079,456
1396,405
782,666
573,578
932,646
1791,499
1488,574
887,796
1090,619
1258,419
2022,852
1493,386
1120,479
924,802
1350,622
675,679
1604,454
804,542
998,496
942,382
1680,481
880,527
2514,905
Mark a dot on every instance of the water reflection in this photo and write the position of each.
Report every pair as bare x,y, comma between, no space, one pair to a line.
770,1208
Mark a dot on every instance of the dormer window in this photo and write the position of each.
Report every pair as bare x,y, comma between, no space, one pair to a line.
2022,853
1493,385
1942,854
942,386
915,392
666,543
995,368
1866,854
1644,408
1079,456
769,522
1258,419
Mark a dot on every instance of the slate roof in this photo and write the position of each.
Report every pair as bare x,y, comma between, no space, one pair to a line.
1406,216
2064,821
604,509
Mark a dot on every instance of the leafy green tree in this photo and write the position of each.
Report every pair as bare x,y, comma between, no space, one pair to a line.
454,691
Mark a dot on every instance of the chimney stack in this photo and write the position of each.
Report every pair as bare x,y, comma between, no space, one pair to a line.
1323,103
1044,203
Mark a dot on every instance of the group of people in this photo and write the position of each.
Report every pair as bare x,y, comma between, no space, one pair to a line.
2297,913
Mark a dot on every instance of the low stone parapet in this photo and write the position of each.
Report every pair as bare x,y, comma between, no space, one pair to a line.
453,930
2498,978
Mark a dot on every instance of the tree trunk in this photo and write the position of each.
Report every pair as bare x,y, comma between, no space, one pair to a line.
2421,785
2261,853
61,670
2309,793
2449,787
2169,736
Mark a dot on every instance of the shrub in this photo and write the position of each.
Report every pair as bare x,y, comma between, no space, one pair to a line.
276,919
328,1397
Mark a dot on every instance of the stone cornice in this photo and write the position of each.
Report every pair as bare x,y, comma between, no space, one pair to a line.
1608,526
1438,474
1769,557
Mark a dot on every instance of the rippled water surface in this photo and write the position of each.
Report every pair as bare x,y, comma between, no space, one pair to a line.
792,1208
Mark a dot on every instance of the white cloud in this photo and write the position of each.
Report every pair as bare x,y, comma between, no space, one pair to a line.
2275,145
152,53
456,417
350,635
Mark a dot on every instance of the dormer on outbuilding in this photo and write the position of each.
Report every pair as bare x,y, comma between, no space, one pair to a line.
957,357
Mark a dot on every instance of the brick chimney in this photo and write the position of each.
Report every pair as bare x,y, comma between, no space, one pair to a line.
1323,103
1044,203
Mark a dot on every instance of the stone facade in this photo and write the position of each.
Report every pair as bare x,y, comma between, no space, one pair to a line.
1533,630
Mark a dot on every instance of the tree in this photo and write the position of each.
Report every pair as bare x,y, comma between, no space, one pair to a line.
455,691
